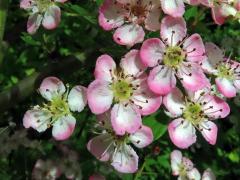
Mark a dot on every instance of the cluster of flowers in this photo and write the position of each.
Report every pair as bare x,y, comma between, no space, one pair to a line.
120,96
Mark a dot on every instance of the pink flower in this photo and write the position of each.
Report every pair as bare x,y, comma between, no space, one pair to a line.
45,170
45,12
208,175
225,70
194,112
57,112
221,9
183,167
176,8
109,146
126,88
128,17
172,56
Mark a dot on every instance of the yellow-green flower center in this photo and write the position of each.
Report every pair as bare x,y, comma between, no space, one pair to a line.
42,5
193,113
122,90
173,56
225,71
183,172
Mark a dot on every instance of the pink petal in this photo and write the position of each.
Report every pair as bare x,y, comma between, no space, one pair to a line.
131,63
111,15
52,17
152,52
215,107
192,77
217,15
161,80
51,87
142,137
173,30
194,174
192,2
173,8
63,127
176,161
125,160
105,65
100,147
77,98
187,163
125,119
26,4
174,102
129,35
208,175
99,96
33,23
237,84
194,48
182,133
226,87
152,21
209,131
208,3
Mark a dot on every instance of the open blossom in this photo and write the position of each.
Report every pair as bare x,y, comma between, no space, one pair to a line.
194,112
183,167
208,175
129,18
58,111
176,8
222,9
108,146
125,88
173,56
226,71
45,12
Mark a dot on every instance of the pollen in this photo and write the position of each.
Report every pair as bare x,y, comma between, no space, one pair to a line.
173,56
122,90
193,113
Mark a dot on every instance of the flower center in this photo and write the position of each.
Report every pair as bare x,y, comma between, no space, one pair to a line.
182,172
193,113
122,90
173,56
42,5
225,71
138,11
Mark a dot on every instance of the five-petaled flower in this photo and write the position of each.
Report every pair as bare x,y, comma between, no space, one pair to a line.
227,71
126,88
196,111
45,12
183,167
129,17
172,56
57,112
108,146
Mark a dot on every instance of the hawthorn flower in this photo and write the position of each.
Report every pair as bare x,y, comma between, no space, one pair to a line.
174,55
111,147
183,167
45,12
194,112
176,8
226,71
221,9
125,88
58,111
128,18
208,175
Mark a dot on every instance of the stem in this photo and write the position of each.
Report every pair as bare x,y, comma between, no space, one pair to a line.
3,16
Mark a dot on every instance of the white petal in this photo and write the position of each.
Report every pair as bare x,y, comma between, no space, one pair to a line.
77,98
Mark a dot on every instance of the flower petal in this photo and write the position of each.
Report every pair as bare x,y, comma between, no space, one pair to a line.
51,87
105,65
142,137
217,15
52,17
111,15
129,35
209,131
176,161
131,63
99,96
26,4
182,133
173,8
161,80
125,119
101,146
174,102
226,87
208,175
63,127
152,51
187,163
33,23
194,174
77,98
125,160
